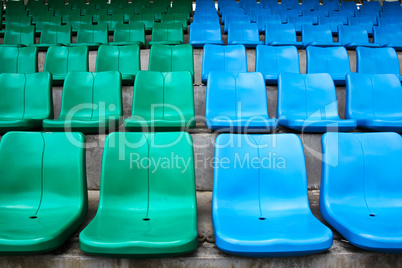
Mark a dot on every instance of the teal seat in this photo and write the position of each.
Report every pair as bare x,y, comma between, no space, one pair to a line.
54,35
129,34
35,14
95,13
156,12
77,21
66,13
18,21
167,34
92,36
61,60
145,211
111,21
19,36
124,59
47,20
43,193
147,19
18,59
175,18
91,103
25,101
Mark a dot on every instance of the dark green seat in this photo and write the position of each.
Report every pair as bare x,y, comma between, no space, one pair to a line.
162,102
56,5
77,4
47,20
25,101
124,59
18,21
128,34
125,12
167,34
61,60
92,35
176,10
88,8
19,36
164,58
54,35
76,21
147,19
173,18
43,193
91,103
36,13
155,11
111,21
145,210
66,13
17,12
162,4
96,13
18,59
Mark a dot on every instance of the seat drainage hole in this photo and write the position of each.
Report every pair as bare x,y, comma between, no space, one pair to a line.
33,217
146,219
262,219
372,215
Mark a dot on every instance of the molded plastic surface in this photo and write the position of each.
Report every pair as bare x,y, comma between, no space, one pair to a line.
18,59
129,34
388,36
167,34
92,35
281,35
205,33
317,35
366,22
147,19
54,35
354,36
16,35
244,34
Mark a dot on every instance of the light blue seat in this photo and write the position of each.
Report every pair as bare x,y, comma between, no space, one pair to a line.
366,22
207,18
264,19
331,60
307,103
333,22
374,101
269,216
281,35
388,36
205,33
354,36
256,11
237,103
377,61
285,14
366,212
238,19
271,61
217,58
299,21
231,12
244,34
317,35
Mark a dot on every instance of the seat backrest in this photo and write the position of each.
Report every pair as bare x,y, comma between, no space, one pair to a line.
15,35
373,5
18,59
129,32
33,159
263,20
377,61
147,19
333,22
332,60
389,22
274,60
280,33
316,33
47,20
243,32
61,60
167,32
206,18
56,34
365,21
111,20
169,18
217,58
91,96
200,31
92,33
298,21
163,58
387,35
373,96
26,96
125,59
356,33
306,96
18,21
77,21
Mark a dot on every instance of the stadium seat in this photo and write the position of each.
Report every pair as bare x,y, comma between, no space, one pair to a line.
163,58
153,201
111,21
54,35
43,192
257,11
18,21
237,19
18,59
92,36
237,102
77,4
367,212
331,4
129,34
366,22
281,35
66,13
271,61
147,19
317,35
373,100
167,34
372,5
77,21
307,103
162,101
25,101
354,36
387,22
91,103
285,14
263,20
205,33
271,200
333,22
95,13
208,18
232,12
61,60
244,34
348,8
223,59
331,60
299,21
377,61
125,59
176,18
154,11
179,10
19,36
389,36
391,5
125,12
315,14
47,20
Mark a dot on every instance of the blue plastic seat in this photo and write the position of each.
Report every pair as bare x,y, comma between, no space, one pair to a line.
317,35
354,36
331,60
205,33
231,12
206,18
256,11
389,22
262,210
366,22
281,35
264,19
348,8
245,34
373,100
271,61
390,36
307,103
238,19
291,4
331,4
285,14
333,22
217,58
315,14
377,61
391,5
371,5
393,14
237,102
366,212
299,21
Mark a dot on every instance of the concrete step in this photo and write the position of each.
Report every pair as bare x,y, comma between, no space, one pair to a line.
342,254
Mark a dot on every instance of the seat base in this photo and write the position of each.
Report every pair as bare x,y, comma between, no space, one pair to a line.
248,44
164,43
19,124
354,45
141,44
202,43
254,126
381,125
157,125
319,126
84,126
278,43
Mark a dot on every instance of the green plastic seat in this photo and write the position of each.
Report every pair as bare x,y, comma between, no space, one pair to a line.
56,5
124,59
76,21
47,20
54,35
43,193
66,13
164,58
92,35
129,34
155,11
91,103
61,60
167,34
162,4
145,211
77,4
96,13
17,12
125,12
162,101
18,59
88,8
147,19
173,18
19,36
111,21
25,101
184,10
18,21
36,13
